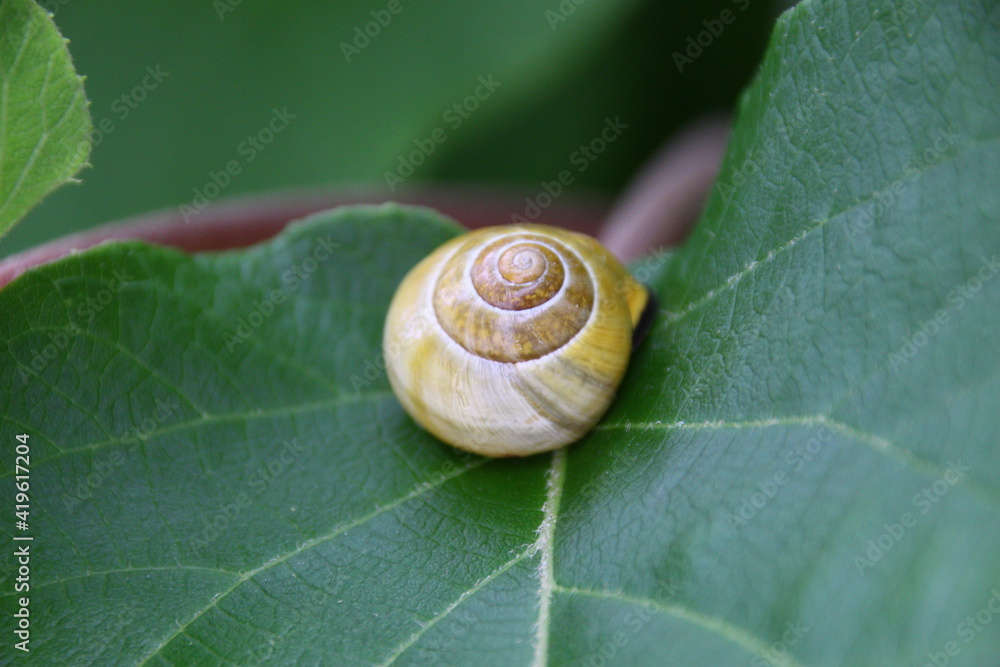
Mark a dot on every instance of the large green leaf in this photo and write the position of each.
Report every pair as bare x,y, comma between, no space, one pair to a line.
44,124
801,468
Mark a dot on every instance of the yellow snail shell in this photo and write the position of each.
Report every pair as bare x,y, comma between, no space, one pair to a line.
512,340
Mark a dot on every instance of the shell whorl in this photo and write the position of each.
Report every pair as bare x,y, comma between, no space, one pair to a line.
513,340
519,297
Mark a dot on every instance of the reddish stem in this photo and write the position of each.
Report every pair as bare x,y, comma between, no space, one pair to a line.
657,209
665,199
243,221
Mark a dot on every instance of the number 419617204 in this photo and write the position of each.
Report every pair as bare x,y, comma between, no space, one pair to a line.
21,471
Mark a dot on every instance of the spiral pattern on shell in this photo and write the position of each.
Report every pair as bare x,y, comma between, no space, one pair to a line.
530,296
510,341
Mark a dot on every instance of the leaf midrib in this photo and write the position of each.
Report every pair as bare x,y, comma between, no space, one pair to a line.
543,545
548,587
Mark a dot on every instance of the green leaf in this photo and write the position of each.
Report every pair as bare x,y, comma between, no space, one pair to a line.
801,467
44,124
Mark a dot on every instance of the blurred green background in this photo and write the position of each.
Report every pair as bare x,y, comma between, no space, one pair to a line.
225,65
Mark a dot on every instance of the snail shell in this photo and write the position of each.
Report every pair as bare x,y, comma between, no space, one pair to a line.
512,340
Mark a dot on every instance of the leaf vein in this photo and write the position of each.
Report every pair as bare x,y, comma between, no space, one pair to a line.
219,418
124,570
402,648
733,280
877,443
418,491
732,633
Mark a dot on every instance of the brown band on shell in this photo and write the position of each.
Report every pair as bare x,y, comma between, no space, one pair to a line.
530,296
